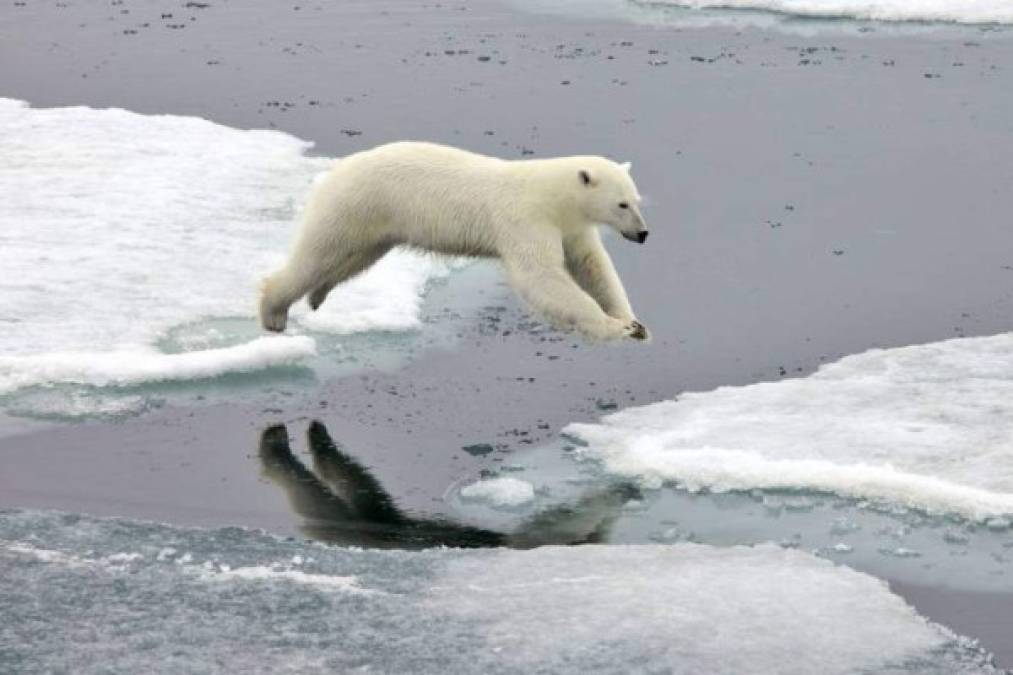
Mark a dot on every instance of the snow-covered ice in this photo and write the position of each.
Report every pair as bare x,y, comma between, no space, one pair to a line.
98,595
956,11
927,427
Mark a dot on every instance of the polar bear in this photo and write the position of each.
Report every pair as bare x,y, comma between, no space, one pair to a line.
539,217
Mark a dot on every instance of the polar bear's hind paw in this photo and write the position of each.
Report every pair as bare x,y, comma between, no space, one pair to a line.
274,321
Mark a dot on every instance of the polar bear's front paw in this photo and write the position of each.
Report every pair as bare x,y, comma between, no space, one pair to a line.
616,329
637,331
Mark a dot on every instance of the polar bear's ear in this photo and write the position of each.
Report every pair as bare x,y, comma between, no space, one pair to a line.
586,179
626,166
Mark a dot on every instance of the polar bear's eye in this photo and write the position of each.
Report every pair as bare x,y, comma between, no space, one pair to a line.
624,205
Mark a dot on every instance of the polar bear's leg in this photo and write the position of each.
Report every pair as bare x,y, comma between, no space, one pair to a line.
349,264
317,296
589,264
309,274
554,293
278,293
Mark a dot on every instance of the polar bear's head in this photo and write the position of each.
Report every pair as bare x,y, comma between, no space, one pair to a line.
610,197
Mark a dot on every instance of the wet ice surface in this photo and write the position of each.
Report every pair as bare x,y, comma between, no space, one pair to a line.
96,595
132,259
898,462
577,501
927,427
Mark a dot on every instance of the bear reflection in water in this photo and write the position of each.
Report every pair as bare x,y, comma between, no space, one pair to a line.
341,502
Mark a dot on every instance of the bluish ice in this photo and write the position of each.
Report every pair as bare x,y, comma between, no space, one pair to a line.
88,595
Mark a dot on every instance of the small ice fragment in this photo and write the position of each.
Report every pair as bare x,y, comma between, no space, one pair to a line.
297,560
123,557
844,526
997,524
841,547
901,552
671,534
165,553
800,504
894,532
500,492
956,537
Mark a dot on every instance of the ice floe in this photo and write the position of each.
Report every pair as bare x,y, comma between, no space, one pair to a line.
927,427
220,601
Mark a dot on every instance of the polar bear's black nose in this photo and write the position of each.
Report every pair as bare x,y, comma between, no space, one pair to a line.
641,236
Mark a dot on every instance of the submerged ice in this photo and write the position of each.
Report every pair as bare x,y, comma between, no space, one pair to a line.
120,227
928,427
99,595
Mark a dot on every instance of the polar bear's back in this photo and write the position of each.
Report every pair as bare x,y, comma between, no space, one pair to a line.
422,194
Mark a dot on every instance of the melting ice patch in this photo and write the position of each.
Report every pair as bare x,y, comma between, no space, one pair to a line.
91,595
955,11
928,427
116,227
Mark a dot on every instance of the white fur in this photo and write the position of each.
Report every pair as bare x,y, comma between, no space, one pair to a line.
538,216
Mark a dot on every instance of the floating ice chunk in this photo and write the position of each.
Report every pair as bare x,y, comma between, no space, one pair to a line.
957,11
927,427
505,492
46,555
166,553
122,558
124,368
998,524
901,552
844,525
956,537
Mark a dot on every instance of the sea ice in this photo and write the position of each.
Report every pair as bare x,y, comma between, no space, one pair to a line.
926,427
956,11
236,606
